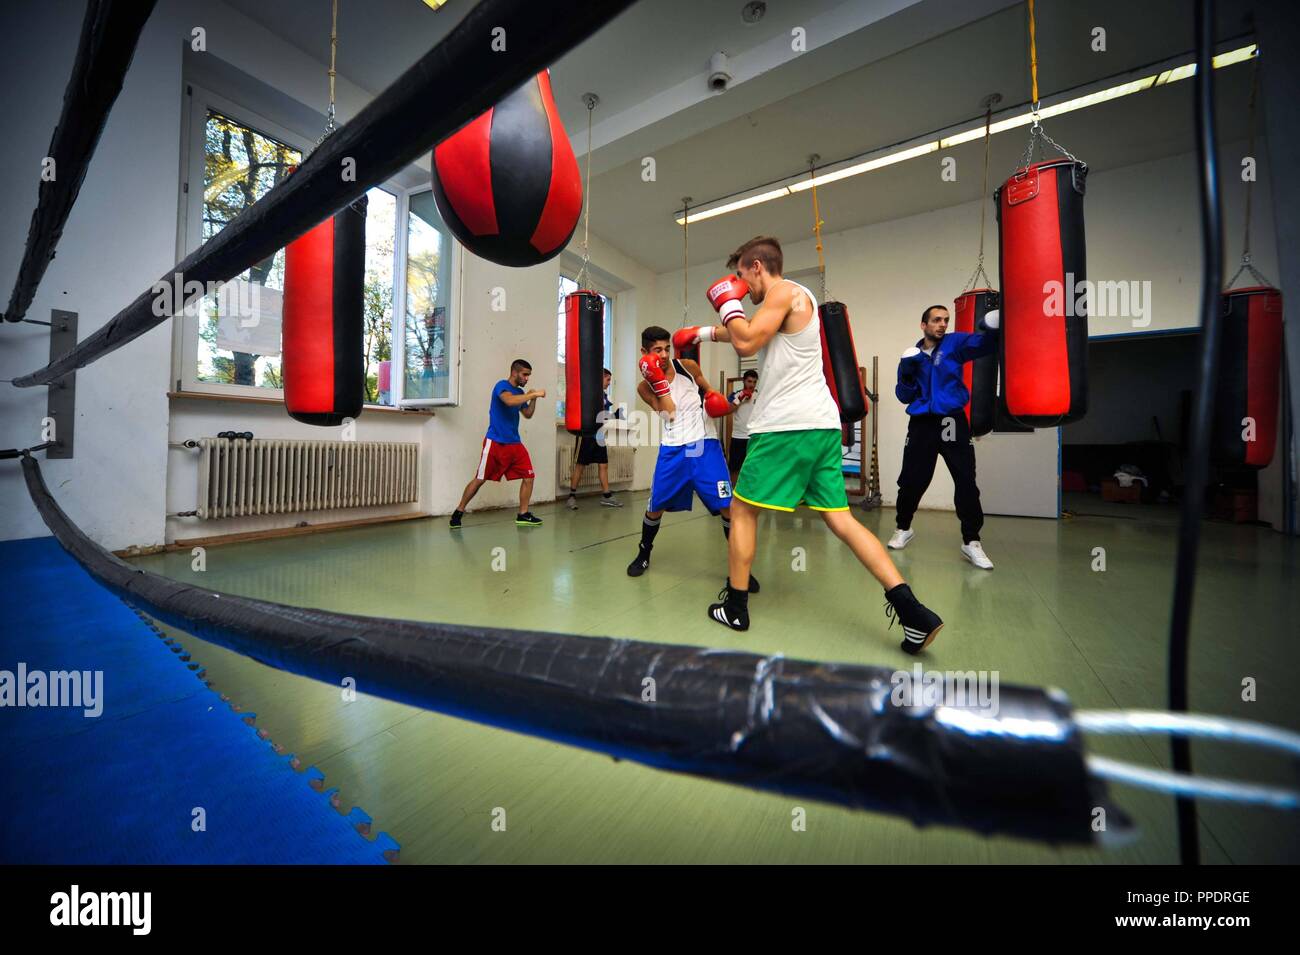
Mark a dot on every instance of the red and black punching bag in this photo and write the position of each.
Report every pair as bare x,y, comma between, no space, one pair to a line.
1250,368
691,352
584,354
507,183
1044,341
840,361
980,375
323,330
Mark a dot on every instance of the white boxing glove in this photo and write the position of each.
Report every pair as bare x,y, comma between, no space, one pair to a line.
992,320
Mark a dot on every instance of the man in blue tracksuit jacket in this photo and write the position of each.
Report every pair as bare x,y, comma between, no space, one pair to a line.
931,384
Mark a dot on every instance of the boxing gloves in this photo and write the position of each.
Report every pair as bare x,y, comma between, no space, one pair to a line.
716,404
725,296
910,363
684,338
653,373
991,320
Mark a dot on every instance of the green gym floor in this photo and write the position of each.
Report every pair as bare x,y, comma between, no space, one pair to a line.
1043,617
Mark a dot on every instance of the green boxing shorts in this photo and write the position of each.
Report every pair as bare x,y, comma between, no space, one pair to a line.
784,469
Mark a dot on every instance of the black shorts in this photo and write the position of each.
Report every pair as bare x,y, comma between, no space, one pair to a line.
736,454
591,451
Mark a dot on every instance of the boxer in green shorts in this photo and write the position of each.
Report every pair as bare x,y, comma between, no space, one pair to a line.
794,452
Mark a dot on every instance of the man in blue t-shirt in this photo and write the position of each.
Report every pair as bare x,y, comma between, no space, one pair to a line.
504,455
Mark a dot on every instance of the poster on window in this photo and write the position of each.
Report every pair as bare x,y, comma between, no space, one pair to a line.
435,324
248,318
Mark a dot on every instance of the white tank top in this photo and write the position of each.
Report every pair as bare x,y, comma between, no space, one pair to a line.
687,425
795,396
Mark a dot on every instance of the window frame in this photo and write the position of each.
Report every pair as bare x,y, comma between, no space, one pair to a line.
454,317
197,100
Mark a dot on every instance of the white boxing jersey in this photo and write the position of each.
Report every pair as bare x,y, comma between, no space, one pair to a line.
795,396
687,425
740,419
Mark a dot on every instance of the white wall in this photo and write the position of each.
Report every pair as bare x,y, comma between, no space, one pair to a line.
119,239
1141,226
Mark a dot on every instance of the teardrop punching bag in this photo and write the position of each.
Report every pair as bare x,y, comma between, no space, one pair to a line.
584,352
507,183
980,375
840,361
1044,342
323,330
1250,367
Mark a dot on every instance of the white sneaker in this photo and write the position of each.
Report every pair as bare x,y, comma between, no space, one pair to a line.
900,538
571,503
974,552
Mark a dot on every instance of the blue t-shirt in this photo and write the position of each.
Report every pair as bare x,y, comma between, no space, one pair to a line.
503,420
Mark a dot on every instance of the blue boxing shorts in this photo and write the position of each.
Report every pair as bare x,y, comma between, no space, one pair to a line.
683,471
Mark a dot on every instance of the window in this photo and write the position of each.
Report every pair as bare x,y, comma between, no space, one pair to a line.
428,340
237,346
381,234
567,286
230,342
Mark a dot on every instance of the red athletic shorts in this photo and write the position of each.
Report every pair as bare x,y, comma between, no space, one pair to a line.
508,461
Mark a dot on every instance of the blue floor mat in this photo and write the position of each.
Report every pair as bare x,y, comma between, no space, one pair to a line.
167,772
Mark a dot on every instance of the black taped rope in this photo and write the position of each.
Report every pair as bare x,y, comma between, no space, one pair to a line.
110,31
830,732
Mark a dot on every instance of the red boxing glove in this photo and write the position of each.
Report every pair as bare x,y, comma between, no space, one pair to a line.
653,372
686,337
746,394
725,296
716,405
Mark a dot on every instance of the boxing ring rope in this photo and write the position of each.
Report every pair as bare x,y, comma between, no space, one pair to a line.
820,730
459,78
833,732
1198,456
110,31
855,736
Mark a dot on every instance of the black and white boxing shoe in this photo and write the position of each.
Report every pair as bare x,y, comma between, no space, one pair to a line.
642,561
733,611
920,624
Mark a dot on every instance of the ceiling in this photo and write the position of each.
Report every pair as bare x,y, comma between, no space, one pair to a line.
876,72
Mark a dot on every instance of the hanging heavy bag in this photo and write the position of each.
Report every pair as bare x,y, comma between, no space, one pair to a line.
507,183
980,375
1250,369
687,352
1044,342
584,350
840,362
323,331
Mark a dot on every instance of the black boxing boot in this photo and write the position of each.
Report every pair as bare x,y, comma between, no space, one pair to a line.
642,561
734,608
920,623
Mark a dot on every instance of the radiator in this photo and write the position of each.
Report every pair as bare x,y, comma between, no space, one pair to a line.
566,452
242,478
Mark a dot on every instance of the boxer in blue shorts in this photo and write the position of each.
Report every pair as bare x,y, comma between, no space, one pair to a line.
690,462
